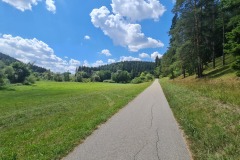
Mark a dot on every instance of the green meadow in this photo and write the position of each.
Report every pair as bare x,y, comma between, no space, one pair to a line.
48,119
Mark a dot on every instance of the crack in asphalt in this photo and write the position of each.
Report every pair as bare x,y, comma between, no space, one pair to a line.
135,156
152,115
158,140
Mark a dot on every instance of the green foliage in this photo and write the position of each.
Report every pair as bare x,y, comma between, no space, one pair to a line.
121,77
1,78
47,120
233,44
200,32
30,80
9,73
20,72
144,77
104,75
95,78
78,77
236,66
66,76
132,67
58,77
108,81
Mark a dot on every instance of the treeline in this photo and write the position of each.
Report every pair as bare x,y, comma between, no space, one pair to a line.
201,31
120,72
13,71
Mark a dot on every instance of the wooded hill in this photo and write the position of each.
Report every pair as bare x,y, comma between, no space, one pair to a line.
7,60
135,68
14,71
201,31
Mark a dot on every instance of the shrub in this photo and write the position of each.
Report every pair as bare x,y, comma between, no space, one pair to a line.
136,80
109,81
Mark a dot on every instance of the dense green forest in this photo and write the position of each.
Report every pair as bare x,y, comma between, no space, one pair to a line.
14,71
201,31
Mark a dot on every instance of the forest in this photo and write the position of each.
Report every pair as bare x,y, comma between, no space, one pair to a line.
201,31
13,71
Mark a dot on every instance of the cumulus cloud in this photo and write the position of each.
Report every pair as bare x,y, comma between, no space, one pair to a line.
111,60
34,50
137,10
98,63
155,54
23,5
144,55
106,52
51,6
87,37
85,63
129,58
121,31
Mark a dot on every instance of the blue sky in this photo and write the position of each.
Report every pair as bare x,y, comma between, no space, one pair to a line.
63,34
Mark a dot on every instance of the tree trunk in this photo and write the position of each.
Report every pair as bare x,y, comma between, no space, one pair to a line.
223,34
213,40
197,39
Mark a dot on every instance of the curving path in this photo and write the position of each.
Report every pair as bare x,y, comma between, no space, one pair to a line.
143,130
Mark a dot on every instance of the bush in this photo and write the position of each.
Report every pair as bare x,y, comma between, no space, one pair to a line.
86,80
236,66
137,80
109,81
30,80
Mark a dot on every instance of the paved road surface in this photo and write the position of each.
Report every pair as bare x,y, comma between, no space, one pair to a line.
144,130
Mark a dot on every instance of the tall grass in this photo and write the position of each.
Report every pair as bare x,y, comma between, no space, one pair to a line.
226,90
49,119
212,127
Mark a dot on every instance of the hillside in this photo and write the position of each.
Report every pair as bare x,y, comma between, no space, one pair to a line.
208,110
133,67
7,60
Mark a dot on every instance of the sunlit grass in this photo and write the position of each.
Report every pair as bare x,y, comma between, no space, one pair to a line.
49,119
208,109
211,126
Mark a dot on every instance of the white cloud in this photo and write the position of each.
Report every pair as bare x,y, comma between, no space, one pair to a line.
121,31
23,5
111,60
66,57
106,52
87,37
137,10
51,6
129,58
85,63
98,63
144,55
34,50
155,54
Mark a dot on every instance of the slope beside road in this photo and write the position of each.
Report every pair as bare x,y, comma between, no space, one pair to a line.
145,129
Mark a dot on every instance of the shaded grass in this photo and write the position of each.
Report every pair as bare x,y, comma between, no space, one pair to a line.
212,127
48,120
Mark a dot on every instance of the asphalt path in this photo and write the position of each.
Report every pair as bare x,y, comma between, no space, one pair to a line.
145,129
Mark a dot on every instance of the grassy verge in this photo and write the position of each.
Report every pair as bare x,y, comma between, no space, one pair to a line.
212,127
48,120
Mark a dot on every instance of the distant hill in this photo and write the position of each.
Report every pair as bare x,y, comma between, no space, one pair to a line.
133,67
7,60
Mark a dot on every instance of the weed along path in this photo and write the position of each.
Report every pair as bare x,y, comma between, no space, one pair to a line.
143,130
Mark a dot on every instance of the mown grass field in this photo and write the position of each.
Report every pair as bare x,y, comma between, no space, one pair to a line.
208,110
47,120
